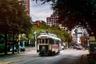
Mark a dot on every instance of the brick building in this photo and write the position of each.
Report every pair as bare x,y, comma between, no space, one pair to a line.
53,19
26,3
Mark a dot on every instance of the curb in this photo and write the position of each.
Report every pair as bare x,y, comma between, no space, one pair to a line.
3,62
84,59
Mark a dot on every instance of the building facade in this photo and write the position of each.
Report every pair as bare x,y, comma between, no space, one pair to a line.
53,19
78,34
25,3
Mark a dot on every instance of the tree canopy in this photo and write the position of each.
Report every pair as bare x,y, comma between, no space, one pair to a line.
64,35
13,18
72,12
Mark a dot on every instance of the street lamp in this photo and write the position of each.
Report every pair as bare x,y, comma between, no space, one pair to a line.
35,37
76,30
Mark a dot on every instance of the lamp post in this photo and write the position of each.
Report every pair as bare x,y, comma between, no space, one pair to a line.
76,34
35,38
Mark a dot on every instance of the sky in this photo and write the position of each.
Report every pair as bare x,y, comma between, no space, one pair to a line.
40,12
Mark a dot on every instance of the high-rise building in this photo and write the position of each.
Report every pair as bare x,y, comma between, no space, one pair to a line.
52,20
26,3
27,6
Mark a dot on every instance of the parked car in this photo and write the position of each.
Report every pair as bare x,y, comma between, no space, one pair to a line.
21,46
78,47
92,48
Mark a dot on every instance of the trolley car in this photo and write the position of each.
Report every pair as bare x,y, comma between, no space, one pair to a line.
48,44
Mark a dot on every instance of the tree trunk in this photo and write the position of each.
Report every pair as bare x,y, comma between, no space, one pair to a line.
5,51
13,44
17,43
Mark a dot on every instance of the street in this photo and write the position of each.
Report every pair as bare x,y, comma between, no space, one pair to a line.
47,26
67,56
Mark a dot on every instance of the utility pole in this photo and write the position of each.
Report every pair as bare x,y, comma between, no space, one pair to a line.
76,34
35,38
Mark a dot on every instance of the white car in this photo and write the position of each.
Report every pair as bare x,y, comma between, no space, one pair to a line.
62,47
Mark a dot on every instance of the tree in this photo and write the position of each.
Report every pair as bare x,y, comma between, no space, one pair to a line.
64,35
72,12
13,16
13,19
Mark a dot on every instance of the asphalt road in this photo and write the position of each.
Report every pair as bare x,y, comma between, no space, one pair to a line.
68,56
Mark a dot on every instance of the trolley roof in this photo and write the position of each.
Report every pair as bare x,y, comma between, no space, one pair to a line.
49,35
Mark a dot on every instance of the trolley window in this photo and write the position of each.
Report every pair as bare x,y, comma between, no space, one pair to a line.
38,40
51,41
46,40
56,42
42,40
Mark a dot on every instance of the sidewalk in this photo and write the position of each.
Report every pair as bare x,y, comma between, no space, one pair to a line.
29,51
2,62
92,58
84,59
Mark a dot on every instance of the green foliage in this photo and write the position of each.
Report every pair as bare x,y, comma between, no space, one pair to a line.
64,35
2,47
23,37
2,38
13,17
75,11
35,28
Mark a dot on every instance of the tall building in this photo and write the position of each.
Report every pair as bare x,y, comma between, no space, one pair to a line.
52,20
26,3
27,6
78,32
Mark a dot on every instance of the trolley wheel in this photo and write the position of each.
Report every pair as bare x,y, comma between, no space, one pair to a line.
53,53
50,53
58,52
41,54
